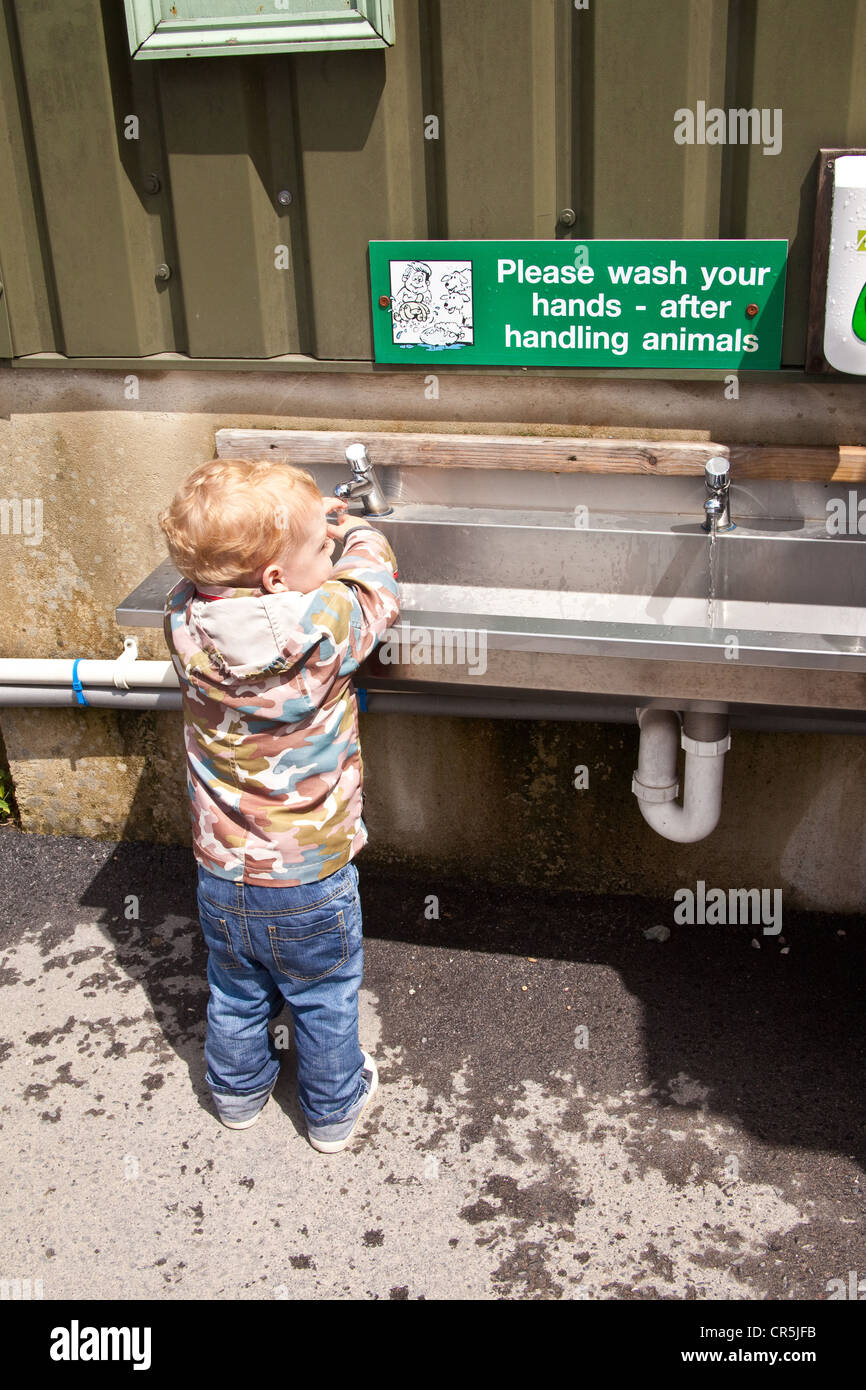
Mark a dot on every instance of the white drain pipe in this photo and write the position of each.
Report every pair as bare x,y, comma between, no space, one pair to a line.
656,784
94,697
126,682
123,673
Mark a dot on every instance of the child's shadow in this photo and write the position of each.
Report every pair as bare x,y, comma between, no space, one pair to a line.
163,950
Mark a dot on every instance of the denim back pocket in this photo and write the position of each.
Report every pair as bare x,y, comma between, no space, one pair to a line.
217,934
308,950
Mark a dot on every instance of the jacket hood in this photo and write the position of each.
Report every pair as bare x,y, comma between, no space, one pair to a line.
249,632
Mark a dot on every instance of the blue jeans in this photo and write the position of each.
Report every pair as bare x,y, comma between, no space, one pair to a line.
266,946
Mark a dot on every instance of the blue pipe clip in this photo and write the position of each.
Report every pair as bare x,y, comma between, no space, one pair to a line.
76,684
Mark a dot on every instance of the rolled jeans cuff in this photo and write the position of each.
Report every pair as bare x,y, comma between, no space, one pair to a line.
231,1106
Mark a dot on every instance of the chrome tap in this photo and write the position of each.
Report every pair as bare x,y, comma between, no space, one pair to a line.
717,504
363,484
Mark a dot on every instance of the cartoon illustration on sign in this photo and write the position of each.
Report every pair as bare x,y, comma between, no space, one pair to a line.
431,303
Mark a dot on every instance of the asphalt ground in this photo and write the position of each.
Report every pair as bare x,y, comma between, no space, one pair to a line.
567,1108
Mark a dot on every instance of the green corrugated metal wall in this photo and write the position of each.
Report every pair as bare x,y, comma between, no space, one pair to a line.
542,107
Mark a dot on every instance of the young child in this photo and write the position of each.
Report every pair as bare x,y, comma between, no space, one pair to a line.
265,633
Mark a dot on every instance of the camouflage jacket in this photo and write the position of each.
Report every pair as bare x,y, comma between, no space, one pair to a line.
273,755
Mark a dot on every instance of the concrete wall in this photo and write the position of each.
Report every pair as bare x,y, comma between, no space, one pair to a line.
492,798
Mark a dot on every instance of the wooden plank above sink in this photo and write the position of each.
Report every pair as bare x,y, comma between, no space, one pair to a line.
548,454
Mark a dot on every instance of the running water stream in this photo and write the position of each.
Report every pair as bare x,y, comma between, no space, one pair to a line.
711,582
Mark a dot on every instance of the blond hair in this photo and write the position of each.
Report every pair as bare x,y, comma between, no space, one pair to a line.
231,517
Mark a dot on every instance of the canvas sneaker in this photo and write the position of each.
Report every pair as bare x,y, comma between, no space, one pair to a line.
330,1139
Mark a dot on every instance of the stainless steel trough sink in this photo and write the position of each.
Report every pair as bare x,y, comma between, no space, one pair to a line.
536,573
787,595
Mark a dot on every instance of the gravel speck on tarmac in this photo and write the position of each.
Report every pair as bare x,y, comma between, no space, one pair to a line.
618,1117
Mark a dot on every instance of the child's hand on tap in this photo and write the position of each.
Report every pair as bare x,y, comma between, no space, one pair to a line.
340,506
336,516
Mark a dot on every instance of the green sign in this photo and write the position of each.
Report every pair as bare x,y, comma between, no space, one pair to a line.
687,304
